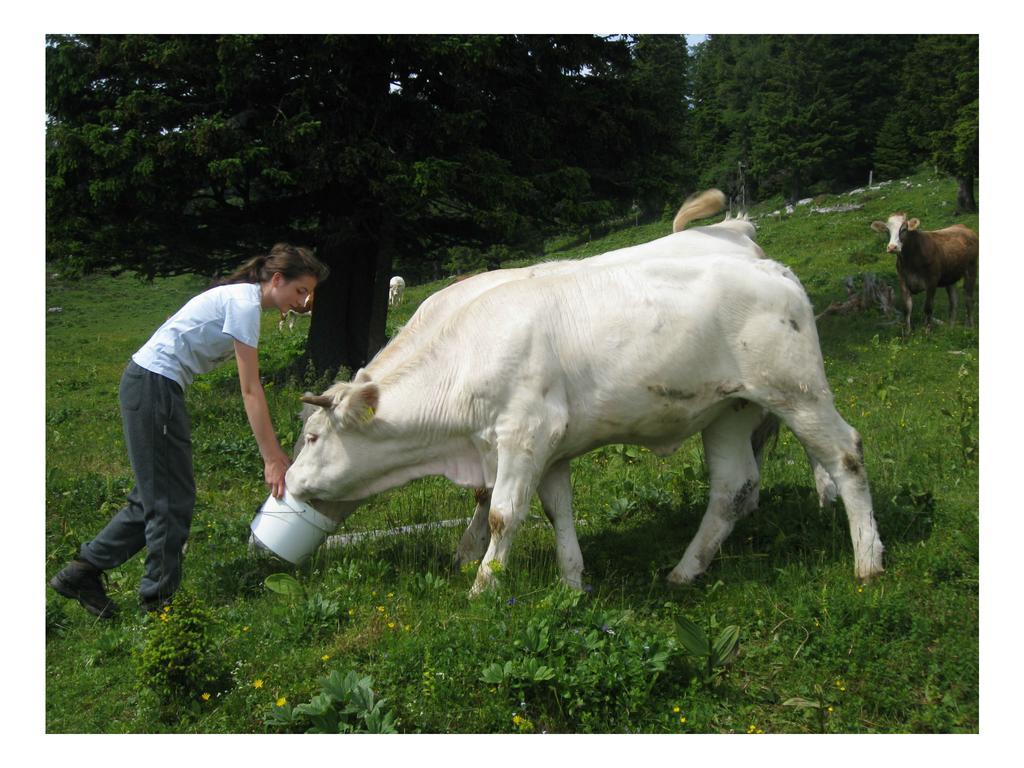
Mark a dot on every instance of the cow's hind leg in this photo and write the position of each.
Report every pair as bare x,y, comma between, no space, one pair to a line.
969,281
735,480
951,293
836,445
555,491
474,540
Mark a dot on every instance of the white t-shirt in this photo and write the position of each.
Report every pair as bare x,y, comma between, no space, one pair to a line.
202,334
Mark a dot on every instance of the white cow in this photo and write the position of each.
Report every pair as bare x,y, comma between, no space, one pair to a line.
438,308
395,290
647,349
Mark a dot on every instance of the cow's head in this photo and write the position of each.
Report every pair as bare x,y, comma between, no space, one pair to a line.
334,453
897,226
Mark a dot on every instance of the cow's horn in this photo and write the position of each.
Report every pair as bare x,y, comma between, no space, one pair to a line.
322,400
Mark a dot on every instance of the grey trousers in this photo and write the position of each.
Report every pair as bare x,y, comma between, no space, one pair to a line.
158,513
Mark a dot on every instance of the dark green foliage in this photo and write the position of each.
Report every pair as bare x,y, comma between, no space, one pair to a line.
171,153
179,661
432,154
808,113
572,666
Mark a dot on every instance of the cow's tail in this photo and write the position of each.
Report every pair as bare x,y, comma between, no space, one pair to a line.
764,436
698,206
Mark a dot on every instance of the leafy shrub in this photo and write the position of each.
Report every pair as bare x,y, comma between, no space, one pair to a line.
578,669
178,660
345,704
312,614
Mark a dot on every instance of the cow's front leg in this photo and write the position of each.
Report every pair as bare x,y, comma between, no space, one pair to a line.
555,491
908,305
510,503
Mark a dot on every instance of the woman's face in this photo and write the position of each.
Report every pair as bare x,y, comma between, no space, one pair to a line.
291,294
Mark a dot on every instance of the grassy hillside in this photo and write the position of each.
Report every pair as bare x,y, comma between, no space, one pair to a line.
816,650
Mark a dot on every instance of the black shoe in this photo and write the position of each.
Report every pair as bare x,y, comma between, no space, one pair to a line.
81,581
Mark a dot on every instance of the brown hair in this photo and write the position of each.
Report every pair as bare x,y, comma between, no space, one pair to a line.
292,261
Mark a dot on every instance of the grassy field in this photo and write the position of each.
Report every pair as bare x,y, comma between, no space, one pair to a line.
816,651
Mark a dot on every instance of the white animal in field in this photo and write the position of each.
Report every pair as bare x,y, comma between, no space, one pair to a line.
694,332
395,291
289,316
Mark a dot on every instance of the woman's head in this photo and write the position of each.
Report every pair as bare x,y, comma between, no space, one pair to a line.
291,261
287,276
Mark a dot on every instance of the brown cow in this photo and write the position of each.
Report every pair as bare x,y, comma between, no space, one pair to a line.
929,260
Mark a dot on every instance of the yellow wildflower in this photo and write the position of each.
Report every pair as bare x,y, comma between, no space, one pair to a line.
325,657
380,609
675,710
257,683
206,697
391,625
282,701
682,721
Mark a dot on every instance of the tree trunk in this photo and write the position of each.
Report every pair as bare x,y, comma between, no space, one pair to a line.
348,324
965,202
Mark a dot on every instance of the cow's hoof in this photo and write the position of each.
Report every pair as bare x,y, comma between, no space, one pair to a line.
485,581
867,575
680,577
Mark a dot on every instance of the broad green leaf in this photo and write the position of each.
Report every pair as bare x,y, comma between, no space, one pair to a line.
725,644
283,584
543,673
318,706
802,703
692,637
493,674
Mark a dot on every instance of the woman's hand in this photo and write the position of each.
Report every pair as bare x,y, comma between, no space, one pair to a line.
274,469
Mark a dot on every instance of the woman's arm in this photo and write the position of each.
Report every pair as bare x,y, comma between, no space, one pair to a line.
275,460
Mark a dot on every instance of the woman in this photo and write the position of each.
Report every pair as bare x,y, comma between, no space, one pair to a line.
202,334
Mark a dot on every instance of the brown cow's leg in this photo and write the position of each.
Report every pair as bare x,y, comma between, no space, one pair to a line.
969,281
929,300
908,305
951,292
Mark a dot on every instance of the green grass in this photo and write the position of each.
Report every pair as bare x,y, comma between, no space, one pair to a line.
897,655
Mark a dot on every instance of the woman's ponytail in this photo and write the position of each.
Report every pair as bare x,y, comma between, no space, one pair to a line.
292,261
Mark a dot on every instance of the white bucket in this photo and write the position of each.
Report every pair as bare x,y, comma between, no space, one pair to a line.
290,528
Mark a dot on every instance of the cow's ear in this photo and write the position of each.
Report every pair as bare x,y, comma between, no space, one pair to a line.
360,406
879,226
913,224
